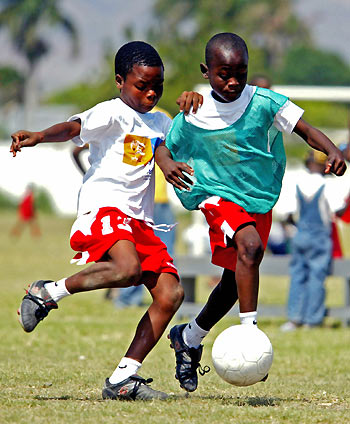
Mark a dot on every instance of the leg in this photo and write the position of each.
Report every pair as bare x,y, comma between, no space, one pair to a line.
122,270
188,355
250,251
17,229
220,301
315,288
167,295
299,272
34,228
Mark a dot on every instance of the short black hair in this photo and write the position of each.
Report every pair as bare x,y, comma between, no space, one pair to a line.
226,40
135,53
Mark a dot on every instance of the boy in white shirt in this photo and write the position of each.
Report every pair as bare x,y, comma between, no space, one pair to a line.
115,207
235,149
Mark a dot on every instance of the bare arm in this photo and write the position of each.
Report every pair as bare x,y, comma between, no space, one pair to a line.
172,170
59,132
319,141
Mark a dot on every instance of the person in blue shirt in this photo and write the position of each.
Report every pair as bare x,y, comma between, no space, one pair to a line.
228,160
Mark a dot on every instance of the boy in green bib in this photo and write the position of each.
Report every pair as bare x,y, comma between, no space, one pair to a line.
228,160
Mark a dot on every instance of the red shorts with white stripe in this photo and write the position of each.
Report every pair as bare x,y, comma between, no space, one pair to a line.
225,219
93,234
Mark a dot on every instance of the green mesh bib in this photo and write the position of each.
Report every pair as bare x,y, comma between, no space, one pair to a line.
243,163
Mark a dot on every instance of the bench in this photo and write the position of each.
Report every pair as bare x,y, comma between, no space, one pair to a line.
191,266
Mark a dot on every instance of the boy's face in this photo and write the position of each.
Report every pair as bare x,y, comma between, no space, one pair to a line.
142,88
227,73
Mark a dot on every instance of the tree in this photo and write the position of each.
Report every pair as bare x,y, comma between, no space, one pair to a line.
308,65
183,28
11,84
24,20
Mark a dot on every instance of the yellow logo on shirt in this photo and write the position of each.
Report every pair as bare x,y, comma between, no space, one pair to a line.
137,150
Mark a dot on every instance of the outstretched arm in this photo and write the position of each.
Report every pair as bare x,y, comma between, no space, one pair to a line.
173,171
319,141
59,132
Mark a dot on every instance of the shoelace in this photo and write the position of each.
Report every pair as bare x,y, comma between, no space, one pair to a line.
165,228
203,370
139,381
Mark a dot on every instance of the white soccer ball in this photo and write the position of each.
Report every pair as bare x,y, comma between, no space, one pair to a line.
242,355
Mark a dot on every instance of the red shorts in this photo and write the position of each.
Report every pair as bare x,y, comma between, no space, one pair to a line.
93,234
225,219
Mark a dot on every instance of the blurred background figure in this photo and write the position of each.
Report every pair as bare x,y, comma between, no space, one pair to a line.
196,235
26,214
281,235
345,148
260,81
316,202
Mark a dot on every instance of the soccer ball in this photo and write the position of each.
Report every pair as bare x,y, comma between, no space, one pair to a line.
242,355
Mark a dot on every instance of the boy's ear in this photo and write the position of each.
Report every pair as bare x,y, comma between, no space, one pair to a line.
119,80
204,70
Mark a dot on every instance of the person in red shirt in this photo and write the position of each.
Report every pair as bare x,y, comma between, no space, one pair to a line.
26,214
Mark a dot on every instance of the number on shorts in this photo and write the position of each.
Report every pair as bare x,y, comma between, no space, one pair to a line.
106,225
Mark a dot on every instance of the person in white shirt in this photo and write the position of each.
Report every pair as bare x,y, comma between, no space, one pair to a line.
115,207
313,198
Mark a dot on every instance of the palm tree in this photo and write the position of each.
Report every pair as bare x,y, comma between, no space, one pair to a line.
24,21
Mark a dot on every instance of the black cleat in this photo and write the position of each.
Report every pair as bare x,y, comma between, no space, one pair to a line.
132,388
35,305
187,360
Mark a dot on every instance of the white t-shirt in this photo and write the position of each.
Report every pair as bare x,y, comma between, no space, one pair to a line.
122,144
331,200
214,115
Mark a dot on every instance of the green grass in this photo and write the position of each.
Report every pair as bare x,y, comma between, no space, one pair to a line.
56,373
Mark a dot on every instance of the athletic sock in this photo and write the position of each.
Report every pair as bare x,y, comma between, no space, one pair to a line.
125,369
57,289
249,318
193,334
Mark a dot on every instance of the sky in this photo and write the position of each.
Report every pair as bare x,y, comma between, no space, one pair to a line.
104,21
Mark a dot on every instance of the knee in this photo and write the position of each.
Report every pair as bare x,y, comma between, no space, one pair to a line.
251,252
171,298
126,274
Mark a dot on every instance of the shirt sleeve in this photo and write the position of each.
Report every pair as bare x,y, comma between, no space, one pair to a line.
287,117
167,124
93,122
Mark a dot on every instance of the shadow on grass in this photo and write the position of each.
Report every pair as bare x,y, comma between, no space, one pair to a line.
67,397
239,401
250,401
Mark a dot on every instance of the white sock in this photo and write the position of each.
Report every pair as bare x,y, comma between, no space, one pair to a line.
125,369
57,289
249,318
193,334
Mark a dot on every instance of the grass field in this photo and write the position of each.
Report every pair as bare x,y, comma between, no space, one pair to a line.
56,373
